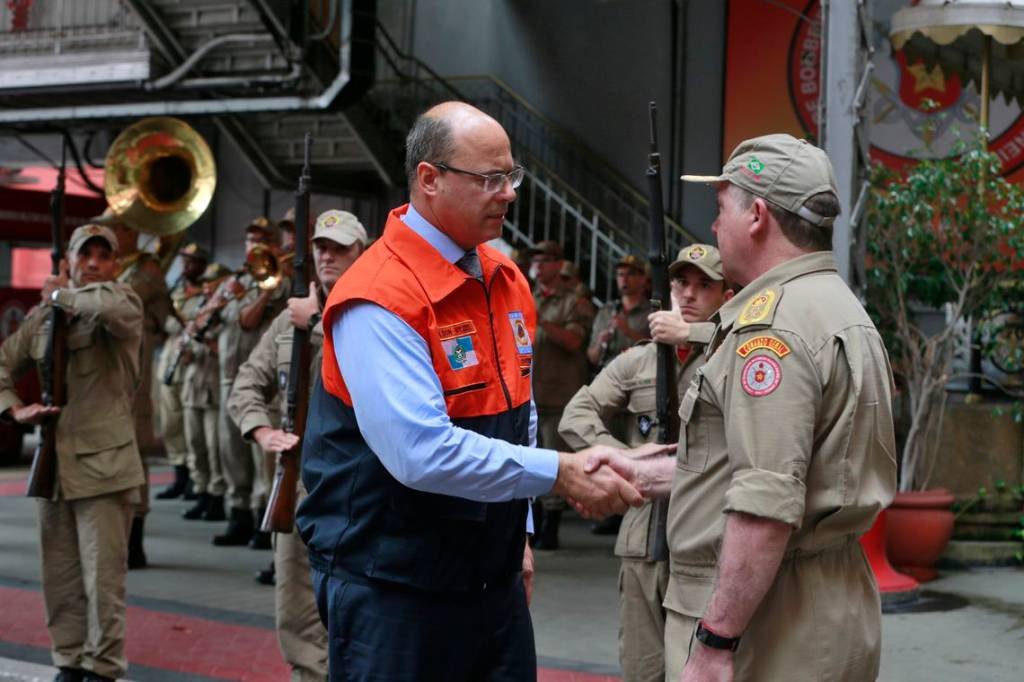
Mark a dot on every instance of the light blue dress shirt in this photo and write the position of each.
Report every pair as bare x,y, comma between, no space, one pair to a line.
400,407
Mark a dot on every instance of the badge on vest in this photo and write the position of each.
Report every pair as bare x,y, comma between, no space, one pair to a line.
460,353
520,333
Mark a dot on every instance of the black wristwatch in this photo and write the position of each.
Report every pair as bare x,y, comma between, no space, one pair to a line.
715,641
313,319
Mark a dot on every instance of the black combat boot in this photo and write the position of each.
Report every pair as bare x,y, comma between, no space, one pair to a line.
136,554
196,511
190,491
176,489
548,537
267,576
240,529
69,675
259,539
215,509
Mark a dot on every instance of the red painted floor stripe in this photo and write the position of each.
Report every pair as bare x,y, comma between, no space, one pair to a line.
189,645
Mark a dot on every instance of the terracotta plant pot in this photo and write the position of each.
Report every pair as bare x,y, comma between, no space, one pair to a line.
919,526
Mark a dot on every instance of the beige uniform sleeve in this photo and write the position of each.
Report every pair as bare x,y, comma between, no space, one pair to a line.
582,423
116,306
771,406
16,357
256,383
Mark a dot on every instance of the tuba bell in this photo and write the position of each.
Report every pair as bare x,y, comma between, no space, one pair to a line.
160,177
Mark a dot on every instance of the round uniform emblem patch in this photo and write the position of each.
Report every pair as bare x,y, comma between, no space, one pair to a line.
761,375
696,253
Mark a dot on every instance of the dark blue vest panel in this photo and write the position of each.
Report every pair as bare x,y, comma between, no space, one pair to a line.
359,522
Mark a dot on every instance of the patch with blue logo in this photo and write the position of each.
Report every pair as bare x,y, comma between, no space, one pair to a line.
459,352
520,333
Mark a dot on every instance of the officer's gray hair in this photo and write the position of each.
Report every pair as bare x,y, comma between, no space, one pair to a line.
431,139
799,232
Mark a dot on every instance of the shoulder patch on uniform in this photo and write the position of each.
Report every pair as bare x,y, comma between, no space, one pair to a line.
763,343
761,375
760,309
520,333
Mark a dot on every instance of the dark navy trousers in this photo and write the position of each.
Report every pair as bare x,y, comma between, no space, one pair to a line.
380,633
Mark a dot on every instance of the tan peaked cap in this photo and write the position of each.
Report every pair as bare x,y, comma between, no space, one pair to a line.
701,256
341,227
90,231
780,169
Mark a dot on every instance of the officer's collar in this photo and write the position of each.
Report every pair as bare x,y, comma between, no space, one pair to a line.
818,261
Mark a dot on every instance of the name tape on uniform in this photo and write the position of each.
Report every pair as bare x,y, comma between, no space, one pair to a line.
458,329
771,343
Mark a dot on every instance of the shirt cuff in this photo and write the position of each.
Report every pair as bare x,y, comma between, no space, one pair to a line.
65,298
767,494
540,469
252,421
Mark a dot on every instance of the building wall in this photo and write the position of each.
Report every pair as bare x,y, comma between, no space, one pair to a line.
591,66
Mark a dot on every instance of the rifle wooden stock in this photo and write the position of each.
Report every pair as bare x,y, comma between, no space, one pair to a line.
666,395
280,514
42,478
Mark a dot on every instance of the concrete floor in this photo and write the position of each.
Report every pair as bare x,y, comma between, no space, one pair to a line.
978,636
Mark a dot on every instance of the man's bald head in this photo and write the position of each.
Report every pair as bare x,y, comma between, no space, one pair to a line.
436,134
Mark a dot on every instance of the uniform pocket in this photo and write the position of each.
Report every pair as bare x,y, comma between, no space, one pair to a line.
82,351
693,444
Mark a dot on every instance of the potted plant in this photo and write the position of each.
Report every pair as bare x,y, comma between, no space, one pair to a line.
942,236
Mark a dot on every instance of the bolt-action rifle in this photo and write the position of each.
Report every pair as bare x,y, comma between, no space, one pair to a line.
42,478
666,394
280,514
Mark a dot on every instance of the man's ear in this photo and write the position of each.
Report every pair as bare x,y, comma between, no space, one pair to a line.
727,294
426,177
760,218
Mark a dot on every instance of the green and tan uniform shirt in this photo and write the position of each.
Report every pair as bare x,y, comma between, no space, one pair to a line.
619,342
790,419
96,449
625,387
557,372
234,343
264,375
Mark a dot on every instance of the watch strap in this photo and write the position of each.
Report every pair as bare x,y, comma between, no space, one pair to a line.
710,638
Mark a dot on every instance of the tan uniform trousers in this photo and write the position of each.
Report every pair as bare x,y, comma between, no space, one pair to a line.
821,620
244,464
203,461
642,588
300,632
84,547
172,424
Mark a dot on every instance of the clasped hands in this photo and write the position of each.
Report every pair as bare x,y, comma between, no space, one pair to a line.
603,480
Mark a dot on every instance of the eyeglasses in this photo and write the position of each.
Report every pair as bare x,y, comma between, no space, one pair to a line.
492,182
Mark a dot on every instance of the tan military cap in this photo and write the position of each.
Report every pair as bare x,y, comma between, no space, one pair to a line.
547,248
341,227
267,227
90,231
702,256
635,262
780,169
193,250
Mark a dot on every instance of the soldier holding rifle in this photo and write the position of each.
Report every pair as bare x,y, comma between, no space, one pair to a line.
338,240
83,527
622,322
626,389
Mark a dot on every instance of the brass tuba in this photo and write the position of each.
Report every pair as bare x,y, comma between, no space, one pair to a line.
160,177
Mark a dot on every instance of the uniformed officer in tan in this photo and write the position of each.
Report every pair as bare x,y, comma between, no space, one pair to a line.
141,270
172,426
622,322
200,401
84,529
338,240
789,432
559,368
246,314
626,388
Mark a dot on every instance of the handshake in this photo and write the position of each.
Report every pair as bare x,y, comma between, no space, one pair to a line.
603,480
